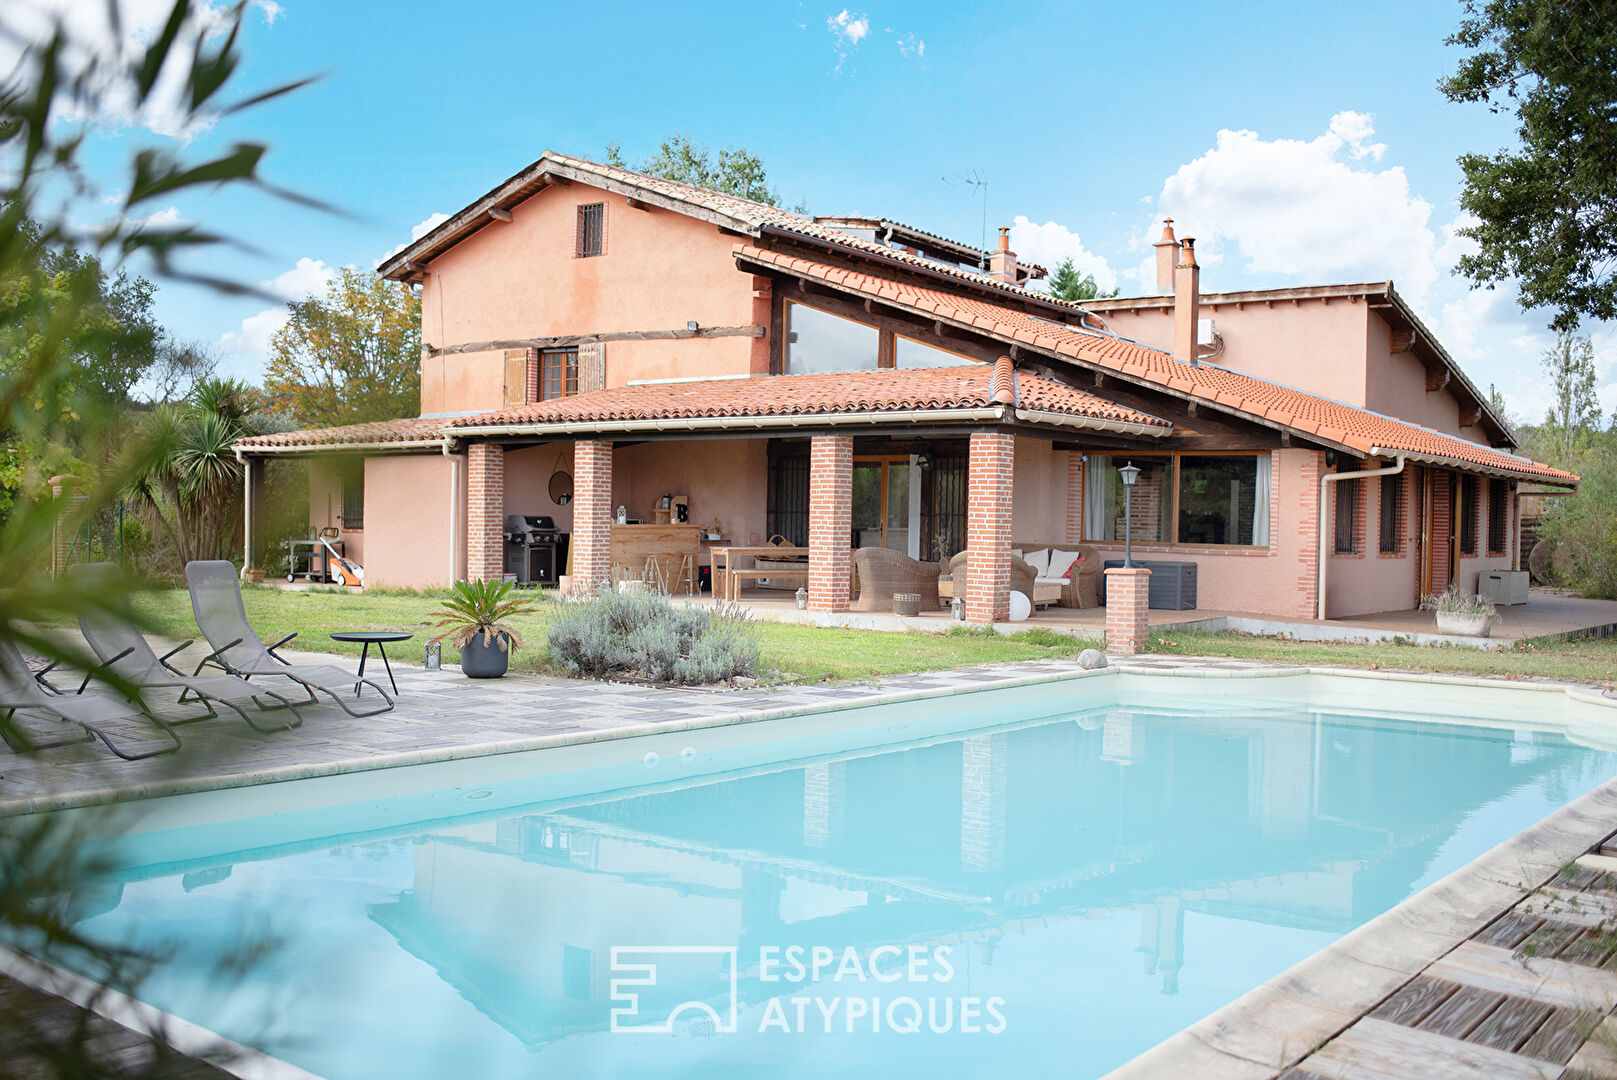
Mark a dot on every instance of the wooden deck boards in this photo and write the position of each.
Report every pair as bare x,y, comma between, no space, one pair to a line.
1533,994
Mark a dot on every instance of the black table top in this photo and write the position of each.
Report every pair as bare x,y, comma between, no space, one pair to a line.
375,637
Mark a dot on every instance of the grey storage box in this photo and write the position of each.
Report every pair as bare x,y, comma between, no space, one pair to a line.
1503,587
1172,586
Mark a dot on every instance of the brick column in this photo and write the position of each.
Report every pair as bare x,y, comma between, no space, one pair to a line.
830,522
1127,620
485,512
1075,497
1308,510
592,515
990,479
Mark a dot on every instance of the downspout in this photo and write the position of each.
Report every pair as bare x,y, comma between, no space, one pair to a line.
454,508
1333,478
246,512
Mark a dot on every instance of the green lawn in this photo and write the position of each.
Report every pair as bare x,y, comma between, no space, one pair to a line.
791,653
808,654
1587,660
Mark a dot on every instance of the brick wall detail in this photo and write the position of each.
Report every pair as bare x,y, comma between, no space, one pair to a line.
485,511
990,484
1127,617
830,522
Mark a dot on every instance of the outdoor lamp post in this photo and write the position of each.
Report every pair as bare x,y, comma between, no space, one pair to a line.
1130,473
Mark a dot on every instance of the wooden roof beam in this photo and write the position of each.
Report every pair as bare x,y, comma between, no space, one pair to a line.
1403,340
1437,379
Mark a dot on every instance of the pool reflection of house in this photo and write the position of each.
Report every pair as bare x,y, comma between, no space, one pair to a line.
1005,833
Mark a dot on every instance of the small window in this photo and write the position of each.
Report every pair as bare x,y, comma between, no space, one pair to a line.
353,494
1224,499
1392,513
1468,515
591,230
909,353
817,341
558,373
1498,515
1347,516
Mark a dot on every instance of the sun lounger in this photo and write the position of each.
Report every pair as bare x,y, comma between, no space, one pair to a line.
124,652
237,649
92,712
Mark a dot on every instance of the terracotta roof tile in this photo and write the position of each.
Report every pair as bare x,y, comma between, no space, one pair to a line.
1359,429
810,395
410,429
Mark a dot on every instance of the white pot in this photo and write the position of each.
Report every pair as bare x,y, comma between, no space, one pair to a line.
1464,624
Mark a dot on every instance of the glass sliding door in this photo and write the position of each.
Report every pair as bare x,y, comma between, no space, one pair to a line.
882,503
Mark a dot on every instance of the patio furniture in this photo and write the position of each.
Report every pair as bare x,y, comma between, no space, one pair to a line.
216,602
668,570
883,572
907,604
633,545
379,638
19,689
727,577
316,553
1052,562
124,652
1023,580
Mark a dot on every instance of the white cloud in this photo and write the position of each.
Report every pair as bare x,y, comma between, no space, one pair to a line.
911,46
1051,242
252,341
1308,209
87,26
420,229
308,278
847,30
249,346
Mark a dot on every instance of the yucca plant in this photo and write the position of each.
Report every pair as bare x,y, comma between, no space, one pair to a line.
481,607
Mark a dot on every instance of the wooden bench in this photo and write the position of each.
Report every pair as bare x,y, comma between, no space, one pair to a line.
734,578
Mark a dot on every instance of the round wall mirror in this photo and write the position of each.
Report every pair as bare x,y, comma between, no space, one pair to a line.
561,488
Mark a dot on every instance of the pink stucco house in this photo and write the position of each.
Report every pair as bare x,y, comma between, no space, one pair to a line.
646,337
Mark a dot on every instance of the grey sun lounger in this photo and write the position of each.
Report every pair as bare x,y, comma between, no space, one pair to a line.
237,650
19,690
124,651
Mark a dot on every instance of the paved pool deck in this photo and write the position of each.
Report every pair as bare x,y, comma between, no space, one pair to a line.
1507,968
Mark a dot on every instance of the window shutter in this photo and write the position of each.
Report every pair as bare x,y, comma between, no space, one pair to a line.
516,377
591,367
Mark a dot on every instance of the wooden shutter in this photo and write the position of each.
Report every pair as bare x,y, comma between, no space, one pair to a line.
516,377
591,367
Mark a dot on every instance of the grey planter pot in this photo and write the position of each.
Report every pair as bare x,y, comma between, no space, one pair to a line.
1464,624
480,661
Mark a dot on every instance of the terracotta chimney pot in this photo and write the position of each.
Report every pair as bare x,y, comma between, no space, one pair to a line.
1167,258
1002,262
1186,302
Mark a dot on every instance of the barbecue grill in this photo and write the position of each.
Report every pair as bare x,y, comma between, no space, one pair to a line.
535,550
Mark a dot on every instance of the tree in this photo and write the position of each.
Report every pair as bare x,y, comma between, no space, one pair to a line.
351,356
1546,210
1066,284
1570,364
738,171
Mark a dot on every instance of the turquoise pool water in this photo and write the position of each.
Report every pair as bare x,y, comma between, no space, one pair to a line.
1035,888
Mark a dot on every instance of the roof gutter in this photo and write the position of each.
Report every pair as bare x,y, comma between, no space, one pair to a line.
1461,465
444,441
995,414
1321,558
1086,423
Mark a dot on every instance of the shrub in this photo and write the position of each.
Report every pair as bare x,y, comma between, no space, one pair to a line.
1454,602
646,636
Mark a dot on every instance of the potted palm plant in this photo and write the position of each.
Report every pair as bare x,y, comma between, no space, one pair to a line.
1460,613
474,621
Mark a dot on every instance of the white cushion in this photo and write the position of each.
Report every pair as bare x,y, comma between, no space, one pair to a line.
1039,560
1061,562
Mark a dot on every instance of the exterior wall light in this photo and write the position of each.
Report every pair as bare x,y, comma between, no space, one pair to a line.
1129,473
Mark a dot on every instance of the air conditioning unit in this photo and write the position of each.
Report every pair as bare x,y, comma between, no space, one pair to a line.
1205,332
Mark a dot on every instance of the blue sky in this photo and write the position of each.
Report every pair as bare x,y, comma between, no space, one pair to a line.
1300,143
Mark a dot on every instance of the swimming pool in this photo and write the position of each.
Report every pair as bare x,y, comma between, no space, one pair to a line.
1044,880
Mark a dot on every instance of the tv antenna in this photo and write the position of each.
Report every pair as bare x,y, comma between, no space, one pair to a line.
976,180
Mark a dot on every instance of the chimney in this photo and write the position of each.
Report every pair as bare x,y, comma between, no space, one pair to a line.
1186,302
1167,258
1002,263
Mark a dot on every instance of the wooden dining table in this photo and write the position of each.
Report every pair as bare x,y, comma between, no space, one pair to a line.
724,582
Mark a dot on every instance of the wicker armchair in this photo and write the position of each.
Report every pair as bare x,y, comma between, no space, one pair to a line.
883,572
1022,576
